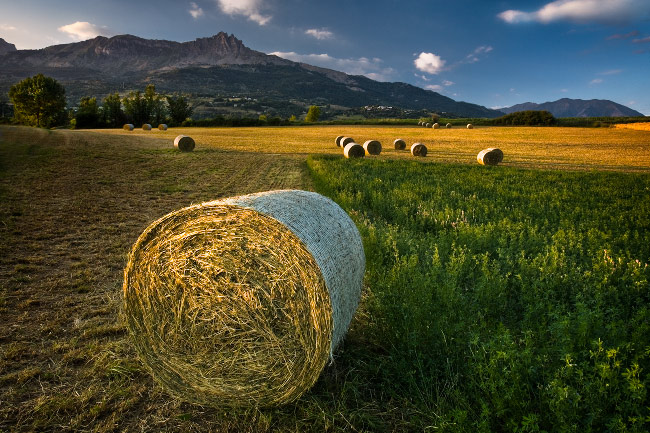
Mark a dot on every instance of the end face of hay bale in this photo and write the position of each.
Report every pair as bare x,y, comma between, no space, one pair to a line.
354,150
372,147
345,141
448,125
490,156
184,143
146,127
427,125
338,140
418,149
162,127
436,126
128,127
207,312
470,126
400,144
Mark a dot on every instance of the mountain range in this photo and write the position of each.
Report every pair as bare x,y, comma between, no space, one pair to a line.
566,107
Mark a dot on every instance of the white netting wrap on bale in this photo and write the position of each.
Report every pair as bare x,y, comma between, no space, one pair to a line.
418,149
490,156
345,141
184,143
399,144
354,150
372,147
241,301
470,126
436,125
448,125
338,140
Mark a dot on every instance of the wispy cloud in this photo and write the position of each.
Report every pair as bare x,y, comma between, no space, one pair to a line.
251,9
195,10
641,40
434,87
448,83
371,68
632,34
475,55
595,81
582,11
429,63
7,27
320,34
83,30
611,72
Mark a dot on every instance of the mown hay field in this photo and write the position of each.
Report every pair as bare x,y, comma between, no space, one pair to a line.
641,126
506,298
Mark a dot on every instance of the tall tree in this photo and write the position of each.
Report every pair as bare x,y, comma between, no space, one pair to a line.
39,101
112,110
87,115
136,108
155,104
313,114
179,108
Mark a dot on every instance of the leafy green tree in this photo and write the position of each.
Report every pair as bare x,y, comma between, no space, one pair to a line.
136,108
179,108
155,104
87,115
39,101
313,114
112,110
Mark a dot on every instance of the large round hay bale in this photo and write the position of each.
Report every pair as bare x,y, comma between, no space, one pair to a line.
128,127
354,150
338,140
184,143
436,125
162,127
146,127
345,141
372,147
418,149
242,301
490,156
448,125
427,125
470,126
419,123
400,144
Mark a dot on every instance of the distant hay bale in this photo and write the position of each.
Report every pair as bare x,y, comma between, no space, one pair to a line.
146,127
448,125
128,127
418,149
436,125
354,150
184,143
242,301
338,140
162,127
490,156
427,125
420,123
400,144
470,126
372,147
345,141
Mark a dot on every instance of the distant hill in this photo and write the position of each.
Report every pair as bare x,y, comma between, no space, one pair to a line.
208,67
566,107
6,47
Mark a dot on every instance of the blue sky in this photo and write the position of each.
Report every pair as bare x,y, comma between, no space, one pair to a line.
493,53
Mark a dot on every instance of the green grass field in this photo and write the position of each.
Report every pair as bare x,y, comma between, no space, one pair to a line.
507,298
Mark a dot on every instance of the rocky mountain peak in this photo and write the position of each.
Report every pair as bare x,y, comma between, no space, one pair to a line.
6,47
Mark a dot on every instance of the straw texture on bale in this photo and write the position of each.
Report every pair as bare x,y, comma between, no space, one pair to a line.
146,127
354,150
418,149
338,140
345,141
184,143
448,125
128,127
490,156
470,126
372,147
400,144
436,125
162,127
241,301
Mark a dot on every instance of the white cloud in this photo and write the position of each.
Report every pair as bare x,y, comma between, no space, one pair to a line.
434,87
448,83
195,10
371,68
582,11
320,34
641,40
251,9
611,72
595,81
82,30
429,63
474,56
564,90
7,27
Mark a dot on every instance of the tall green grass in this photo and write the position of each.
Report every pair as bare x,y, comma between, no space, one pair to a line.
502,299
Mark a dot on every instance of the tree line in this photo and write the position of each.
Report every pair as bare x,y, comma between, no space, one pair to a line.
40,101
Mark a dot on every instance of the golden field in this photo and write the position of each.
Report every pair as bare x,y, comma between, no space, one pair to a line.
527,147
640,126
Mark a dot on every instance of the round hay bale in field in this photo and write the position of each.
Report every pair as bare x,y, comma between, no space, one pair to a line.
490,156
128,127
427,125
354,150
345,141
420,123
162,127
184,143
372,147
448,126
418,149
242,301
436,125
399,144
146,127
470,126
338,140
